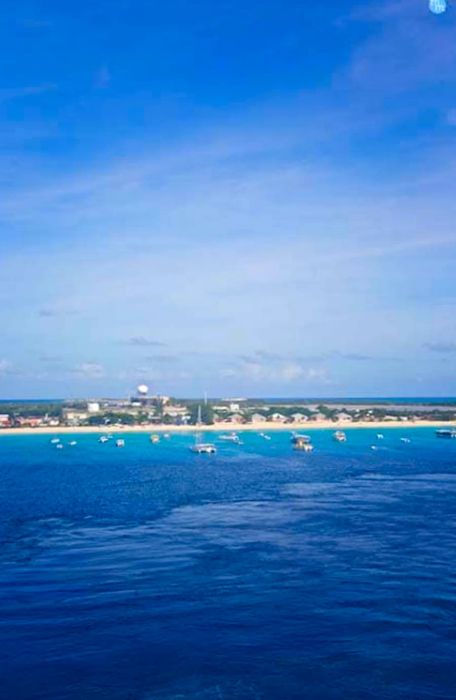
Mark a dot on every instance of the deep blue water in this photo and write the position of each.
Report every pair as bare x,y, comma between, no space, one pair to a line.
150,572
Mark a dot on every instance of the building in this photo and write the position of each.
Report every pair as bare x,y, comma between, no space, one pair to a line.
73,416
344,417
235,418
93,407
5,421
175,411
257,418
299,417
278,418
29,422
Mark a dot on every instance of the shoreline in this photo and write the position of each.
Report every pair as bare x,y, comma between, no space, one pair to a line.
256,427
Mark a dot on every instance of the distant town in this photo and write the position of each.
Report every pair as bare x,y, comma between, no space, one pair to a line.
143,408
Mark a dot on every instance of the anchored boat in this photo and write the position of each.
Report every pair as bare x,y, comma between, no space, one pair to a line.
450,433
201,447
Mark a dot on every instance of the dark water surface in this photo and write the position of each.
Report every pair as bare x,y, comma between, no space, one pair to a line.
259,573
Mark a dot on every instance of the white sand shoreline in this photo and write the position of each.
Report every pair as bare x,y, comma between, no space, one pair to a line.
256,427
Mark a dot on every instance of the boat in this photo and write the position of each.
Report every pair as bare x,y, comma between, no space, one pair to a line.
54,441
59,446
303,439
380,436
232,437
104,438
264,436
406,440
303,445
120,443
72,443
339,436
167,436
155,438
202,447
446,433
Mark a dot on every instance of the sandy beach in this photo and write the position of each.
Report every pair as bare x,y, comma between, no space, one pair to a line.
258,427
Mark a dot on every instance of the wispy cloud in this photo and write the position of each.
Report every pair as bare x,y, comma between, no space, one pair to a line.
412,48
102,78
90,370
27,91
51,312
5,367
143,342
442,348
275,371
162,358
51,359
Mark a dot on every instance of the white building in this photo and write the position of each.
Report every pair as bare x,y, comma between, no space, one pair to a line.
257,418
299,417
278,418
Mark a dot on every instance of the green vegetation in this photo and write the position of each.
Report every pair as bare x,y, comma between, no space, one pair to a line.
207,414
29,409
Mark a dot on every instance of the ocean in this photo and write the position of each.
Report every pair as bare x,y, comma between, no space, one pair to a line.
150,572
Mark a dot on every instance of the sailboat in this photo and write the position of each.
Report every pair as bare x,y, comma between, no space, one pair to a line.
201,447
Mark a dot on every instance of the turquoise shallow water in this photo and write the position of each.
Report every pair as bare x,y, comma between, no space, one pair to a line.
150,572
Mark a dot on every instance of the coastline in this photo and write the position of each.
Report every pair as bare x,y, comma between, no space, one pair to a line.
256,427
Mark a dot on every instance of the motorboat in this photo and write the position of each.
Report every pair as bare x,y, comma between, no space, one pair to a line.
120,443
203,448
304,439
231,437
303,446
339,436
446,433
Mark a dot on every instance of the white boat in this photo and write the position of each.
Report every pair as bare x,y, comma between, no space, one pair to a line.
72,443
104,438
155,438
446,433
204,448
264,436
167,436
406,440
303,446
54,441
374,447
380,436
339,436
120,443
232,437
59,446
296,437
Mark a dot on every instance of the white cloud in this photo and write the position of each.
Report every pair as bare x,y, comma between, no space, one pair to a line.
90,370
5,367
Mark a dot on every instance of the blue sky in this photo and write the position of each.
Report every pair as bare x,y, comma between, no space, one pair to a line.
239,198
